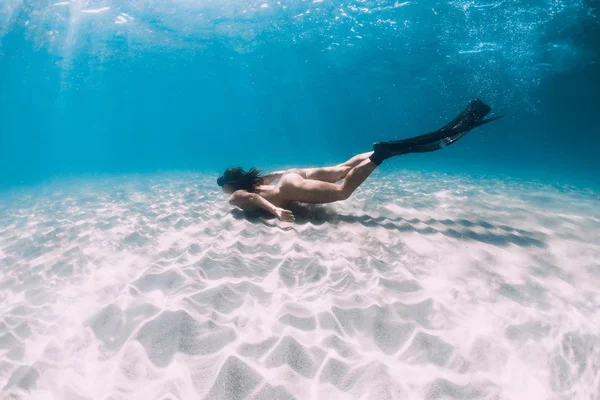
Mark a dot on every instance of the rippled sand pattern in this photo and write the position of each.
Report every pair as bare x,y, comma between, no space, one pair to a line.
417,287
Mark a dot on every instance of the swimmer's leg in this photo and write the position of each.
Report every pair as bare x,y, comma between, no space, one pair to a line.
296,188
323,174
331,174
357,159
335,173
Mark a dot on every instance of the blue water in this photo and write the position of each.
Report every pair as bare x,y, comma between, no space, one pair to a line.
471,272
111,87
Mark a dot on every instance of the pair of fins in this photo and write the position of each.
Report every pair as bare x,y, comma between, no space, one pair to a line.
472,117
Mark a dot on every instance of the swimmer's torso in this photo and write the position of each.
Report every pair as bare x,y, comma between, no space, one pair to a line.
270,193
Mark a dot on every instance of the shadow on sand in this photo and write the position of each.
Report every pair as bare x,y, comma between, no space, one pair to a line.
320,214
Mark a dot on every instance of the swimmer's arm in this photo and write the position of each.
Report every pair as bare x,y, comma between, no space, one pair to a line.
246,200
269,178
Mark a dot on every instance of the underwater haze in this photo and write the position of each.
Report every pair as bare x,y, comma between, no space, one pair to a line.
107,87
472,272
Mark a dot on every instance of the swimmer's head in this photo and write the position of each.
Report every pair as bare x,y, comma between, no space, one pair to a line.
237,179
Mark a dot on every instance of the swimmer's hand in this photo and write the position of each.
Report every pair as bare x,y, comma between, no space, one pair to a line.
284,215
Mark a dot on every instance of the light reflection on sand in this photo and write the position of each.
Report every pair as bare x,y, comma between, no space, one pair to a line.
433,287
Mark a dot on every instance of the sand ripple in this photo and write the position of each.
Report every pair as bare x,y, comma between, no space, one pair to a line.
419,286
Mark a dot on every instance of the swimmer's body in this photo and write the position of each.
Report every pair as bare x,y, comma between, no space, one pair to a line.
251,191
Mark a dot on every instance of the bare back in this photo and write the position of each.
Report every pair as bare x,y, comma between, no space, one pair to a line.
271,193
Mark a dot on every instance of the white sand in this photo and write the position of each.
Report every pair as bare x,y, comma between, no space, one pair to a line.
425,287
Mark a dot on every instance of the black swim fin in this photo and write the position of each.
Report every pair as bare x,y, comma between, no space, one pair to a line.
472,117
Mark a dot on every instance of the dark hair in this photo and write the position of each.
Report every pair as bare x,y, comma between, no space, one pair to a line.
240,179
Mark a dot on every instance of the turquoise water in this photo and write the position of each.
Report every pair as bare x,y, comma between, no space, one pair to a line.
467,273
107,87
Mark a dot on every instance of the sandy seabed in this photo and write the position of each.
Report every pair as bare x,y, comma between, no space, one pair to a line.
418,287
